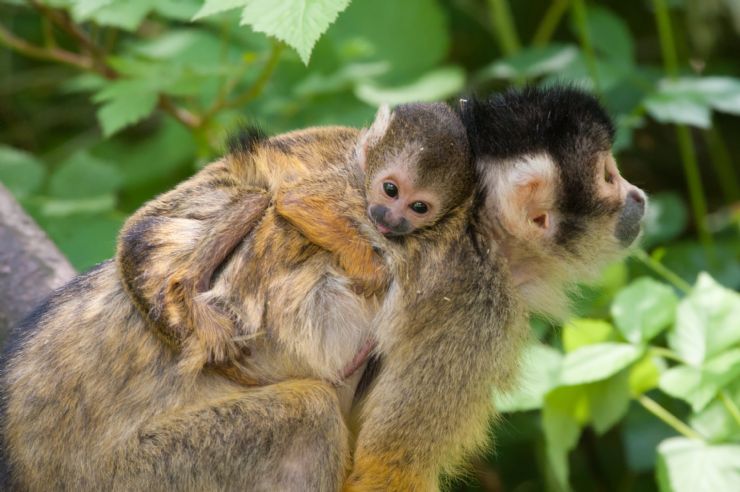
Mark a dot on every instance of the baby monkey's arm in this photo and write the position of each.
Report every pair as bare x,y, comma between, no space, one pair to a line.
330,213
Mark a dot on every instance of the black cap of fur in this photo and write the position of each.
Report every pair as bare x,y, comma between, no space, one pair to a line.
567,123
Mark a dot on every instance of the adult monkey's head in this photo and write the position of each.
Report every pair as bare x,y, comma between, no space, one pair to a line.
551,194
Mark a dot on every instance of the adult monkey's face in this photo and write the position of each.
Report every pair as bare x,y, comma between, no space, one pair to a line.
551,192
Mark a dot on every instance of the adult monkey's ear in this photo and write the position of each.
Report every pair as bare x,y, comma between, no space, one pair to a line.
371,136
526,192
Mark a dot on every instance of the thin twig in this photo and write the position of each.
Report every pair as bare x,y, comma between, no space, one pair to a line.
656,409
184,116
50,54
257,87
661,270
666,354
550,22
730,406
93,62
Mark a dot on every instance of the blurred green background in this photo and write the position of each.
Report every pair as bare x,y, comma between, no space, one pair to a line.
105,103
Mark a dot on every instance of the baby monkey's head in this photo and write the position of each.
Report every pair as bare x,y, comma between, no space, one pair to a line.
417,166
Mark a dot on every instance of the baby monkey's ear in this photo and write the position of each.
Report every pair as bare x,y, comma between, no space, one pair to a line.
371,136
527,197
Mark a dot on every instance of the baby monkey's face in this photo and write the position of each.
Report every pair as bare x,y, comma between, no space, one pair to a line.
397,206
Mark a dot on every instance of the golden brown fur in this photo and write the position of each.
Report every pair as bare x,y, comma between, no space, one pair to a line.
94,399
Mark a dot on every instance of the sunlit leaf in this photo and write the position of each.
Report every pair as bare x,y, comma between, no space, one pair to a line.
706,322
608,401
83,9
212,7
298,23
690,465
580,332
645,374
644,309
20,172
668,108
595,362
698,385
689,100
565,410
433,86
531,62
715,421
539,374
181,10
126,15
53,207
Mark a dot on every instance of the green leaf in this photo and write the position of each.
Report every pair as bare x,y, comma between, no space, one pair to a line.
641,433
433,86
565,410
580,332
411,36
126,15
689,258
645,374
690,99
698,385
83,9
644,309
125,103
608,401
345,78
51,207
212,7
665,219
595,362
85,239
706,322
689,465
610,35
83,175
20,172
539,374
671,108
715,421
298,23
531,62
180,10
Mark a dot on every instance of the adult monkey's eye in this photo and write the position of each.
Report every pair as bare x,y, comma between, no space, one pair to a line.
419,207
390,189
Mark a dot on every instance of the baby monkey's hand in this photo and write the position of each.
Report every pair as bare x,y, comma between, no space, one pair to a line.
366,269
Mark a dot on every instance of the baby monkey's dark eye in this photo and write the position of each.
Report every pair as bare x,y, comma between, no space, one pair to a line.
608,176
419,207
390,189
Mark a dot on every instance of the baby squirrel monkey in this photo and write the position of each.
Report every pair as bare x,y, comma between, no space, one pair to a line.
408,171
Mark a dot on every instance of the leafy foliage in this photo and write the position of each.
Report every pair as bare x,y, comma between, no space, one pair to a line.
105,103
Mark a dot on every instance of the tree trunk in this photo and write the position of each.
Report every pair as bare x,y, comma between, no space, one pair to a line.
31,266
